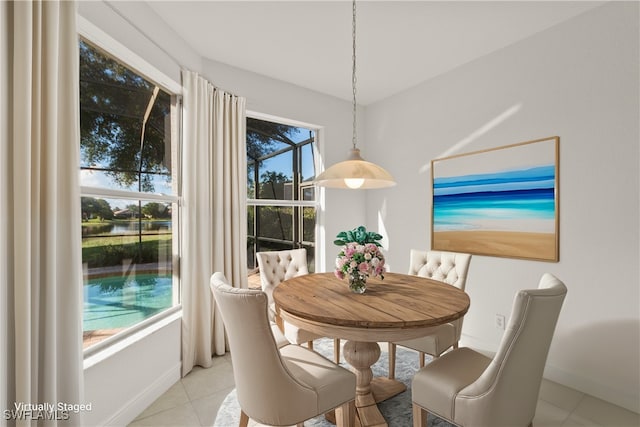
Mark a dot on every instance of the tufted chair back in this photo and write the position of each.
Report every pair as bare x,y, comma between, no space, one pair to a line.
278,266
447,267
275,267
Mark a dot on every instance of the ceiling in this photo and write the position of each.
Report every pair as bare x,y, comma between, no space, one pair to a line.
399,43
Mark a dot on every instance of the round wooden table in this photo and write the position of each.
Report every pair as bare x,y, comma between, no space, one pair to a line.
400,307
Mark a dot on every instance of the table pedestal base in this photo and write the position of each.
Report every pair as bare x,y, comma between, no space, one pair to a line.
369,391
382,389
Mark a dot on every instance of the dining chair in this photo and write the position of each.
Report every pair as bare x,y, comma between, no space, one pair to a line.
275,267
277,386
470,389
447,267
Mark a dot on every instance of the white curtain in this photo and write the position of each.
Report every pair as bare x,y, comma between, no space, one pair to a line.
215,214
40,258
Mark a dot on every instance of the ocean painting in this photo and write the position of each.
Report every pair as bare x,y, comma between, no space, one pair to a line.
499,202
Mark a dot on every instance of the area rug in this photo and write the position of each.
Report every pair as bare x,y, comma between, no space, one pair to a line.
397,410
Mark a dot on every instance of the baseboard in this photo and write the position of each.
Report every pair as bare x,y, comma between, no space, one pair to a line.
145,398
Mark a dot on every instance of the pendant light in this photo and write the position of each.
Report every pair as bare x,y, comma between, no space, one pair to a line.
355,172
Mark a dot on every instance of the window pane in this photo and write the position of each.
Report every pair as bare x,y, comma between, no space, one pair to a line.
127,135
280,158
125,127
251,215
265,138
308,192
308,224
160,183
308,168
116,302
276,177
267,246
300,135
311,258
275,222
251,179
127,258
251,253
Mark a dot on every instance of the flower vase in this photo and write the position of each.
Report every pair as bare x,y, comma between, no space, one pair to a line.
357,283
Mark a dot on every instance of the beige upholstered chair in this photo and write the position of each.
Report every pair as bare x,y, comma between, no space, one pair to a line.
470,389
275,267
447,267
278,386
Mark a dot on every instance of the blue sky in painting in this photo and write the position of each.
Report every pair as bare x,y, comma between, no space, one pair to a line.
514,200
521,179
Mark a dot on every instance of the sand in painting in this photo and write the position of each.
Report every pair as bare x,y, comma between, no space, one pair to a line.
500,243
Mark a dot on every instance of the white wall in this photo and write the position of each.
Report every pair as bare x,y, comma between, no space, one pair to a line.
139,28
133,375
578,80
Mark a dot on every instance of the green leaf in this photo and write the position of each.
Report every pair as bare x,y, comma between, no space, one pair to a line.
359,235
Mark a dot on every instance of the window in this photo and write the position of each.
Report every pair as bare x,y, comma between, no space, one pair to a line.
128,158
281,196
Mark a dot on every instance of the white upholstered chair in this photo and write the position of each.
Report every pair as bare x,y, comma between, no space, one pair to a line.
277,386
447,267
470,389
275,267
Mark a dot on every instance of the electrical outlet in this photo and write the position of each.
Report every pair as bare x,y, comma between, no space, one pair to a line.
500,321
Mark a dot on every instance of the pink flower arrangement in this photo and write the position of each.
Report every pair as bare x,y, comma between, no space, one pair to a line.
360,259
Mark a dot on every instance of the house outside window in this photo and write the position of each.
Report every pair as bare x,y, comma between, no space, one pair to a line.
282,205
129,180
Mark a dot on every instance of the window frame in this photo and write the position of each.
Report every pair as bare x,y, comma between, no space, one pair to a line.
98,38
319,191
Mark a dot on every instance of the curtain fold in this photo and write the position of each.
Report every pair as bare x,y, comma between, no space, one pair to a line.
41,276
214,230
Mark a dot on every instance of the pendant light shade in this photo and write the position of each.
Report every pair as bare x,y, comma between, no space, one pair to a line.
355,172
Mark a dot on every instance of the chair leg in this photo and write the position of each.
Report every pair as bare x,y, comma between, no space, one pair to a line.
421,359
336,351
244,419
346,414
455,345
419,416
392,361
310,345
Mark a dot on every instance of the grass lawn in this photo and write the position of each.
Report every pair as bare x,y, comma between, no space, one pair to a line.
112,250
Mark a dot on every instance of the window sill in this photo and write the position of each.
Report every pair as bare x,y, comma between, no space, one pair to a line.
112,345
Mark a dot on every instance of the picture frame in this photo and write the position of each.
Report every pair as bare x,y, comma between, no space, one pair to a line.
501,202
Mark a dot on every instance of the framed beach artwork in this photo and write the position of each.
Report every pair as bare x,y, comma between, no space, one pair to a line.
498,202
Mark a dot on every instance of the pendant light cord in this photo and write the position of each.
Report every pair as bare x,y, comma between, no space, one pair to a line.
353,75
355,172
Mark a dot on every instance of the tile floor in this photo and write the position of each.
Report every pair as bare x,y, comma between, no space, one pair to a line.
194,401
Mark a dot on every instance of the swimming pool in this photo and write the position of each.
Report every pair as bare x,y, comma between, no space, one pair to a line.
116,302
